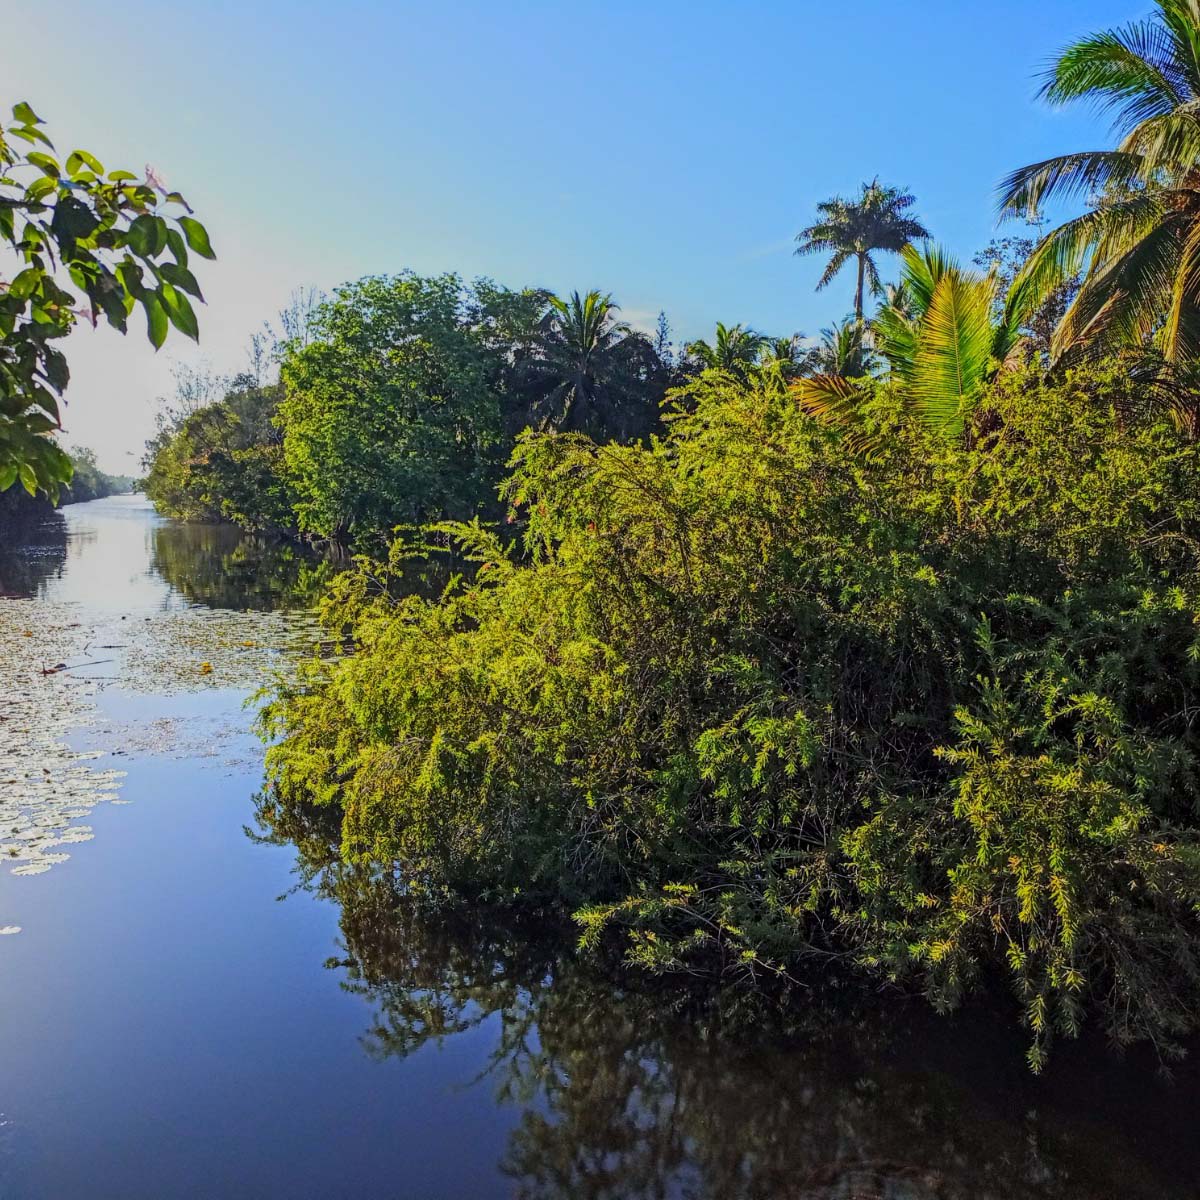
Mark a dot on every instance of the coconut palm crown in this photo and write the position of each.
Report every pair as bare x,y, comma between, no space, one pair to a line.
1138,248
583,361
734,349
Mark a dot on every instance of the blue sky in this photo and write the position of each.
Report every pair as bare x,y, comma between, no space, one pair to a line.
667,152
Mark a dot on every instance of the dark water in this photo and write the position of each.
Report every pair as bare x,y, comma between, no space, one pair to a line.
170,1027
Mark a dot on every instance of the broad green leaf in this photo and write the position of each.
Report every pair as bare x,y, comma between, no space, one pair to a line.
44,163
39,187
197,237
82,156
45,400
130,275
142,235
55,369
178,246
109,295
23,113
28,478
26,283
182,278
179,309
39,424
157,321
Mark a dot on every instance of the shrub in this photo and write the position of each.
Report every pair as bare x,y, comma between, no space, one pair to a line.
754,697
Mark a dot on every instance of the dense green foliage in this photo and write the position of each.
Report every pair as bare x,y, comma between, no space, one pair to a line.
389,413
223,460
400,404
107,234
758,697
881,649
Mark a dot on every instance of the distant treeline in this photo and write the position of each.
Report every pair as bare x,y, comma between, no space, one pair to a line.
21,512
400,399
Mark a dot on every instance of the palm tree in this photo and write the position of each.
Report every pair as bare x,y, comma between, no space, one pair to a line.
593,370
855,229
844,350
941,342
734,349
1138,248
785,356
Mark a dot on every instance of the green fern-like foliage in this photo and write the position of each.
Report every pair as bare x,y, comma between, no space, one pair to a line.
745,699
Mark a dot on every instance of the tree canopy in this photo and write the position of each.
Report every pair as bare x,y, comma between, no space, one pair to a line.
879,219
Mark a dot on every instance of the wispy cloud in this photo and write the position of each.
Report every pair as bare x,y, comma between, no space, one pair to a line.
645,320
768,251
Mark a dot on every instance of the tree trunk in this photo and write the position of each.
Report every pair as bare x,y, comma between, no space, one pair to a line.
858,295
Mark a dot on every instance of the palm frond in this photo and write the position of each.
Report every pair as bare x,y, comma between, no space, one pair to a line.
830,398
836,401
953,352
1129,73
1177,339
1125,297
871,273
1086,173
921,269
1066,251
832,268
1168,143
1181,20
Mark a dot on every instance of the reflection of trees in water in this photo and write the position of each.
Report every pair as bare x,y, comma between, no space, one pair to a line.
222,567
631,1092
33,543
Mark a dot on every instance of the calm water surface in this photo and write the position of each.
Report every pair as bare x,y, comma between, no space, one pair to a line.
194,1008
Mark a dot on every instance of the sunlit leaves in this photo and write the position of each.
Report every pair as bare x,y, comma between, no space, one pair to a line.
109,236
156,318
749,695
1139,283
941,341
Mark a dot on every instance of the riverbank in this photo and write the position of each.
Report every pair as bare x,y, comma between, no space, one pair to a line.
196,1005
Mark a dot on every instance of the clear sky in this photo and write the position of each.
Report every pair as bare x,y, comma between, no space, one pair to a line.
665,151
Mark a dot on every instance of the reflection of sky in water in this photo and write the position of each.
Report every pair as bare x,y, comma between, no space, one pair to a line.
108,559
98,607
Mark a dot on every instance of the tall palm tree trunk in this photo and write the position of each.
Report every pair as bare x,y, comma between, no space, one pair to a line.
858,294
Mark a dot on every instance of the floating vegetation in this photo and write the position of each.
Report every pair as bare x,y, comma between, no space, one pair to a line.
200,648
45,786
56,665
